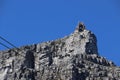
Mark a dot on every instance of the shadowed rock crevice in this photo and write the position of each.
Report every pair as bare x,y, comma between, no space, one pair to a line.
29,60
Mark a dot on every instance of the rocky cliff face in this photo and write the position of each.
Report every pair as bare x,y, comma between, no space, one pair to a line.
74,57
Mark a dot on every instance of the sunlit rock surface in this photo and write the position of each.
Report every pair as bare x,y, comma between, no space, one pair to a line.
74,57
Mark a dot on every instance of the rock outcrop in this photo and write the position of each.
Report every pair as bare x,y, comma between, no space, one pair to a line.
74,57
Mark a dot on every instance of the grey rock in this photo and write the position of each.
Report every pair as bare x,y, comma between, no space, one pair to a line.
74,57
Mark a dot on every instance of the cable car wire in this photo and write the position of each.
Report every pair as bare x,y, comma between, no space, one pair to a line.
5,45
7,42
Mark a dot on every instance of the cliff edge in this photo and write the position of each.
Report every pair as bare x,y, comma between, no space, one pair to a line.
74,57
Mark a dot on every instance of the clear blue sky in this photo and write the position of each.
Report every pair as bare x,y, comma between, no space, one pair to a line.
25,22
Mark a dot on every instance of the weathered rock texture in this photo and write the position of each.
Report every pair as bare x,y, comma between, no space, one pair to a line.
74,57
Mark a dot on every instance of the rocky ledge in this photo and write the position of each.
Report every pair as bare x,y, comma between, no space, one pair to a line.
74,57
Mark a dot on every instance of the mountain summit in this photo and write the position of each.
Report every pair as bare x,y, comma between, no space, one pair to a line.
74,57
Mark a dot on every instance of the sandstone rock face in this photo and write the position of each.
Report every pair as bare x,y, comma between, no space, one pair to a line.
74,57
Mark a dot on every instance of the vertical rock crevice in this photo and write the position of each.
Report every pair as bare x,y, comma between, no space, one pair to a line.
29,64
29,60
